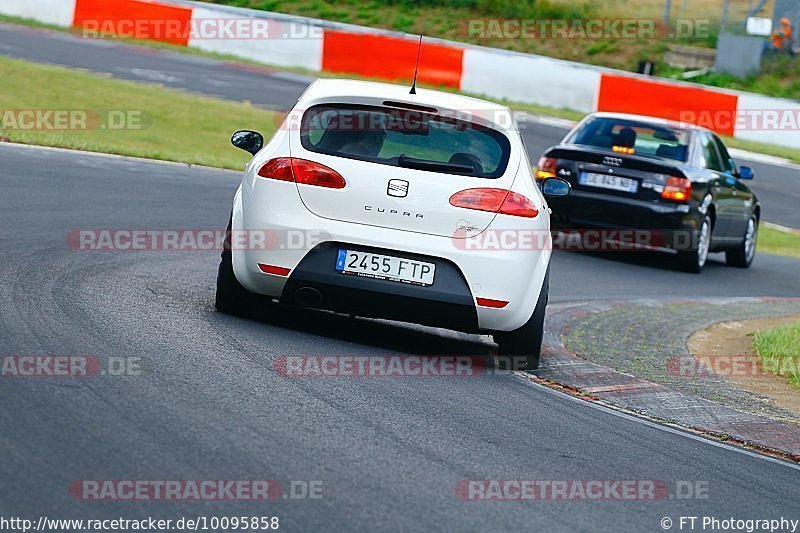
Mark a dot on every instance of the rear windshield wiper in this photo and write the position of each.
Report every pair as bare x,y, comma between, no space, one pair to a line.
433,166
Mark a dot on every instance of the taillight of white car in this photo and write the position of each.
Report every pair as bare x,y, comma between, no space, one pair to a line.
302,171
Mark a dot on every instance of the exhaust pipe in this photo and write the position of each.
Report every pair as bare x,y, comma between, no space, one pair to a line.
308,297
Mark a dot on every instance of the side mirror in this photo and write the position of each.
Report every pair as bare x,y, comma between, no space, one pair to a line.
556,187
745,173
249,141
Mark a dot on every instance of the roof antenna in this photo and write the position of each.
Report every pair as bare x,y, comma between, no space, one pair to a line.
416,68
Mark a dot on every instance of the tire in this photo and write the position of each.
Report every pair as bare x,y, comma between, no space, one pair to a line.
523,346
742,256
694,260
231,297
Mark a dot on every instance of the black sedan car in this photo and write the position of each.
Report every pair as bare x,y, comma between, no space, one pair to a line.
670,186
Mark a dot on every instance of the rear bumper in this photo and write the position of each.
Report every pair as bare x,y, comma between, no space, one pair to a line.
652,225
462,274
447,303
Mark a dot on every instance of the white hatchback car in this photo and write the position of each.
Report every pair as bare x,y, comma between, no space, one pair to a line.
393,196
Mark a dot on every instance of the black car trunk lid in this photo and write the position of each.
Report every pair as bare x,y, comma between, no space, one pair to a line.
613,173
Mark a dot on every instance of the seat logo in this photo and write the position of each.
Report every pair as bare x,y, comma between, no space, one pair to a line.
398,188
612,161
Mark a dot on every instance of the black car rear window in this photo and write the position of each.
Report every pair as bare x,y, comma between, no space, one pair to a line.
634,137
405,138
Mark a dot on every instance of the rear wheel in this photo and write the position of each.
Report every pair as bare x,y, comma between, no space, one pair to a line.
522,347
231,297
694,260
743,254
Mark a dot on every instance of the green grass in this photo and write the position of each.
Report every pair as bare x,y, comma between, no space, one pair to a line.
169,124
773,241
792,154
779,351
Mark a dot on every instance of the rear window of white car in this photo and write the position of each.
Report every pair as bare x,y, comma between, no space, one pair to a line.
405,138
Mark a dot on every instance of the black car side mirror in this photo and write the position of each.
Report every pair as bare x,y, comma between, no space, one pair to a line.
555,187
745,173
249,141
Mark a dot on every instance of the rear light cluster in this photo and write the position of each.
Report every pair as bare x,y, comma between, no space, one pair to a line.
546,168
495,201
302,171
677,189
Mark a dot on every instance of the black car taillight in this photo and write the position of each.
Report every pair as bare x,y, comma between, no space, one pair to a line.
546,168
677,189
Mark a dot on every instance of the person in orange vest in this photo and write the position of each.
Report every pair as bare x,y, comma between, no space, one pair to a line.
781,38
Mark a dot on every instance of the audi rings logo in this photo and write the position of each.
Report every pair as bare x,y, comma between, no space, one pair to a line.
612,161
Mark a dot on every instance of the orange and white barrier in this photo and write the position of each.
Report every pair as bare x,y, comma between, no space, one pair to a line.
529,78
55,12
289,41
279,42
390,57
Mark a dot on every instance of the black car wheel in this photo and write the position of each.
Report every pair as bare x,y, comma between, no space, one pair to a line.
742,256
231,297
694,260
524,345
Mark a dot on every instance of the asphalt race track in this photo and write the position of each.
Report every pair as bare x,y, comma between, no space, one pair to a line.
776,185
208,403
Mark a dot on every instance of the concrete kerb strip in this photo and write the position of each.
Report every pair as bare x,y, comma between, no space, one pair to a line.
593,382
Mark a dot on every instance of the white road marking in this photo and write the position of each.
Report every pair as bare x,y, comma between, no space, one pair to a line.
563,123
151,75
